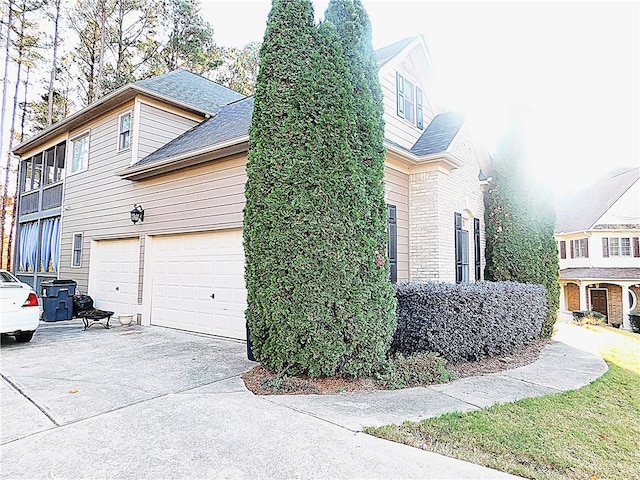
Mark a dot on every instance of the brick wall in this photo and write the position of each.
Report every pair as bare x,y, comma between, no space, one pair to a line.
434,197
636,290
614,303
572,297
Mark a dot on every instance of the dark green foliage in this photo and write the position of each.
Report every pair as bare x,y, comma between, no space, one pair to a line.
468,322
416,370
319,301
520,222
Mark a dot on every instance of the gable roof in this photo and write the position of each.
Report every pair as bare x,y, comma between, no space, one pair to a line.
384,54
580,211
186,88
179,87
231,122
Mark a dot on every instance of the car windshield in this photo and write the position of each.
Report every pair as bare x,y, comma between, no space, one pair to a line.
6,277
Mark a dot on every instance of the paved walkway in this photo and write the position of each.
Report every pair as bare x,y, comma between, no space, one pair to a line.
564,365
158,403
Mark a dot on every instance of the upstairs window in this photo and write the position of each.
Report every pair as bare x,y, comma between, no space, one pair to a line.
580,248
54,164
80,149
124,131
409,101
620,247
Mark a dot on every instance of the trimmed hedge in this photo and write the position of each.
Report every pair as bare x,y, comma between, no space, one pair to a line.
468,322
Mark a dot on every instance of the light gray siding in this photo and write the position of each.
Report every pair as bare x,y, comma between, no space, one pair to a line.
397,193
98,202
396,128
158,127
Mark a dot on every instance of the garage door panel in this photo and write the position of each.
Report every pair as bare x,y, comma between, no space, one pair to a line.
187,270
114,287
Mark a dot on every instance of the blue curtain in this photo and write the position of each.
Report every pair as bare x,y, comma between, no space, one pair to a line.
45,245
55,243
28,247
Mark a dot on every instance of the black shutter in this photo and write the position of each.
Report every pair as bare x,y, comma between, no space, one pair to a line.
573,250
563,249
419,116
636,246
400,94
458,246
392,245
586,248
476,247
605,247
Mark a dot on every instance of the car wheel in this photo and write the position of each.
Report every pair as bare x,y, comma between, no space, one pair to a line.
24,337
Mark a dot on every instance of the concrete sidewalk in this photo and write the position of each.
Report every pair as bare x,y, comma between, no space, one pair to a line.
561,367
159,403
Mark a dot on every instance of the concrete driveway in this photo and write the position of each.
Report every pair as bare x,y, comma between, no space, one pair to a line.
158,403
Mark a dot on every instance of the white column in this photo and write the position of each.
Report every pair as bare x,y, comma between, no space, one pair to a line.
583,296
563,302
626,324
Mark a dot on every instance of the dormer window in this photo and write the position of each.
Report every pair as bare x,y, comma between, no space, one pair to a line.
124,131
409,98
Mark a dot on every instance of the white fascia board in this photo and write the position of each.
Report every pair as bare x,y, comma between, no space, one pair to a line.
159,165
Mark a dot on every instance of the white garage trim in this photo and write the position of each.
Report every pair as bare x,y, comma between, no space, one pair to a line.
114,274
183,271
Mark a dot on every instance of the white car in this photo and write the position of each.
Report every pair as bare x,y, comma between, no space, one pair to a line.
19,309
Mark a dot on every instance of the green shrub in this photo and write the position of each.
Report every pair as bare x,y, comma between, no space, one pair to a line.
319,300
634,319
520,221
468,322
415,371
589,317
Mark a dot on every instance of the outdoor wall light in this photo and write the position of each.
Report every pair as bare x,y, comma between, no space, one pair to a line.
137,214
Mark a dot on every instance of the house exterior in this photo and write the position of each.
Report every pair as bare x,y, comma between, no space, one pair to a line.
598,235
176,146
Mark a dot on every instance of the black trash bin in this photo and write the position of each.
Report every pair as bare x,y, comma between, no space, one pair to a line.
57,300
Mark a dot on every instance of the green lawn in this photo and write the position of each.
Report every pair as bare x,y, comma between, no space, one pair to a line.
591,433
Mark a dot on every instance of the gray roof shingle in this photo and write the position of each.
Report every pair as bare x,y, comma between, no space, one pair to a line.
190,89
384,54
232,121
600,273
233,117
439,134
581,210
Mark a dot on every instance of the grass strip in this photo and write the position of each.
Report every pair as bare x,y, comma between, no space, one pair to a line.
590,433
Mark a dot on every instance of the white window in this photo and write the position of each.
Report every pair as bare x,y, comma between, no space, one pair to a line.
76,256
409,101
614,247
80,156
578,248
124,131
625,247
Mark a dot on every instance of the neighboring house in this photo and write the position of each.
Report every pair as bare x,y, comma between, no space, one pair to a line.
598,234
176,145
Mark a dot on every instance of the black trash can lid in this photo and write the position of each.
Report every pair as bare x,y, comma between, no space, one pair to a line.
60,282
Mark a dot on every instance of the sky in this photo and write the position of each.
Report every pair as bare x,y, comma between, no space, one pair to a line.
574,67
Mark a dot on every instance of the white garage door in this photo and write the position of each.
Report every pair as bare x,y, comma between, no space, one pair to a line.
198,283
113,275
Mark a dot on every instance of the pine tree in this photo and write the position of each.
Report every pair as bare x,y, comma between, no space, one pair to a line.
520,222
310,255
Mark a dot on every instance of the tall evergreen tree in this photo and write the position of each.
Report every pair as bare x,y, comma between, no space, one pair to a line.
309,253
520,221
366,140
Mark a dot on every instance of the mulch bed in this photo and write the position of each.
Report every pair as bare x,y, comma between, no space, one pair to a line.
262,382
